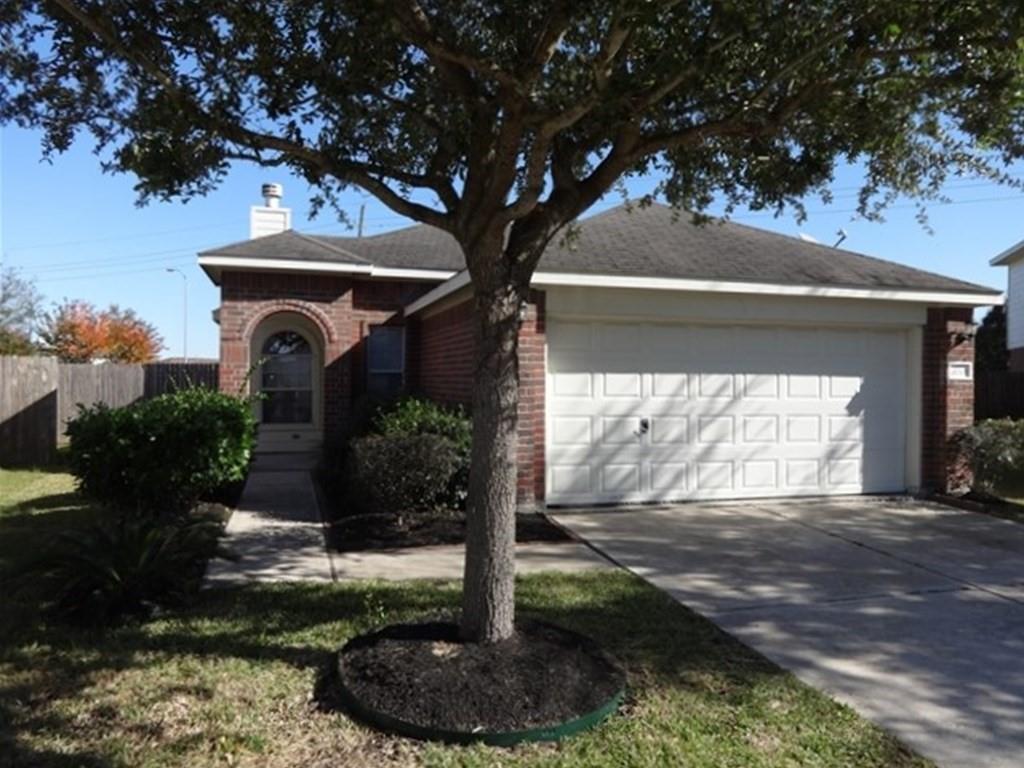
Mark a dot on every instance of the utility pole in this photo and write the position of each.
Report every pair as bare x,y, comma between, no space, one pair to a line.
184,317
362,212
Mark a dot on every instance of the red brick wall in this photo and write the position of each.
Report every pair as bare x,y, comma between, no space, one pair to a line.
948,406
340,307
530,459
444,364
443,357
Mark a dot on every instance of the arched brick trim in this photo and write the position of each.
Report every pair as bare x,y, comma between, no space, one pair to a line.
276,306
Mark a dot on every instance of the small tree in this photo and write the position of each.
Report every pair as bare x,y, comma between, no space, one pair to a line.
990,342
501,123
77,333
20,310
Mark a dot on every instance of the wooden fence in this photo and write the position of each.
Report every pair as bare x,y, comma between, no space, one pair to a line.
38,395
998,394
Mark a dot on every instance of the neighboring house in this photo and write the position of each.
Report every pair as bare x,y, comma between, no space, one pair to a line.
659,360
1013,259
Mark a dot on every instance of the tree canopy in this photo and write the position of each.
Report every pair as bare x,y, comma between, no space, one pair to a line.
76,332
464,114
21,307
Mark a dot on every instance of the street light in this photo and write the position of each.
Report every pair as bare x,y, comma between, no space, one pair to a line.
184,317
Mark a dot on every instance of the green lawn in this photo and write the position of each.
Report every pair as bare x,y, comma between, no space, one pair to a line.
35,504
242,678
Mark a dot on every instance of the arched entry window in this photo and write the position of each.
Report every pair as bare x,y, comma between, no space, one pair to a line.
287,379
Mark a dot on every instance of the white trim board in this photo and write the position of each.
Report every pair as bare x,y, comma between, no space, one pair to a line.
545,279
1010,255
541,279
294,265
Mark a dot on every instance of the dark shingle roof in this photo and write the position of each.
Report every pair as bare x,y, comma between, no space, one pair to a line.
654,241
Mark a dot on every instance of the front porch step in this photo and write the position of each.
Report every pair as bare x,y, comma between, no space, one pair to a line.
285,461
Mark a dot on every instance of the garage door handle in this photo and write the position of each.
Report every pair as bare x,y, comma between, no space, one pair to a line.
645,426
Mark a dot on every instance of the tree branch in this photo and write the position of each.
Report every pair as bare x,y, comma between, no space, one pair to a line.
418,30
348,171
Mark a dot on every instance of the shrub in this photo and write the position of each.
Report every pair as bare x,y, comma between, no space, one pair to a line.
401,473
162,455
106,571
994,449
414,416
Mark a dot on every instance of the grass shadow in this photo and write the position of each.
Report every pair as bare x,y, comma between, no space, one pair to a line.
680,667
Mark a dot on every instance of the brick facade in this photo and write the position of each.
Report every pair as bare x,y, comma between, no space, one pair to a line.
947,406
342,309
440,352
444,364
443,357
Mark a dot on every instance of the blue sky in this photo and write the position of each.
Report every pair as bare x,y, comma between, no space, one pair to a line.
79,234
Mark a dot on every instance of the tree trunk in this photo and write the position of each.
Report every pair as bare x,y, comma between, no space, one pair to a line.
488,600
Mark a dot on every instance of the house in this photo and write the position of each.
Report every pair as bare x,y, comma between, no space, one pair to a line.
1013,259
659,360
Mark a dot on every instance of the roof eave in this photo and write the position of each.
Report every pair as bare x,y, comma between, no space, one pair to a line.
1006,258
214,265
982,297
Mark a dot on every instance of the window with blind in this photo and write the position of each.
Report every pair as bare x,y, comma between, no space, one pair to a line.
385,360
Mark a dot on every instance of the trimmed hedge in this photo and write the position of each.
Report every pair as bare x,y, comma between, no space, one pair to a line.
400,474
416,459
415,416
160,456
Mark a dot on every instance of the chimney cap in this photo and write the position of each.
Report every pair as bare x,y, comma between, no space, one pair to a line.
272,194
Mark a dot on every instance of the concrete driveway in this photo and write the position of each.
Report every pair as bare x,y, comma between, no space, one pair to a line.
912,613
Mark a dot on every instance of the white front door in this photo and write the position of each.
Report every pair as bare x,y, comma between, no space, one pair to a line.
659,412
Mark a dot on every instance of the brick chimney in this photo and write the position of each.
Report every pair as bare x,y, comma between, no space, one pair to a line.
269,218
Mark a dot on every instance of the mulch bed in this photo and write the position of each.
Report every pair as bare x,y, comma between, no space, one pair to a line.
359,533
423,674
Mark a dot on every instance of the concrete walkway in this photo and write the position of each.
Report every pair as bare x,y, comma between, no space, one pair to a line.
447,561
912,613
276,532
278,535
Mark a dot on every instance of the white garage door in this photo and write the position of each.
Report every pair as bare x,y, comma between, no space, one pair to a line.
654,412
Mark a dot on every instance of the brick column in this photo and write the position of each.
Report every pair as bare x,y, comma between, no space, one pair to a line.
947,406
530,456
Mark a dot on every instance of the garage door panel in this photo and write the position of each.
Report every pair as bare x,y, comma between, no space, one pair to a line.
572,430
619,430
571,384
622,479
622,385
803,428
571,480
669,479
803,386
670,430
761,429
715,386
760,474
675,386
716,430
714,477
729,411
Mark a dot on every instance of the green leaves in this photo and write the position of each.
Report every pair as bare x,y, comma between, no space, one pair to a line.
474,115
995,451
160,456
106,571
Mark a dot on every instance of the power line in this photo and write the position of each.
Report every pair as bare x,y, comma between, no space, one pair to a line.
117,261
116,238
99,275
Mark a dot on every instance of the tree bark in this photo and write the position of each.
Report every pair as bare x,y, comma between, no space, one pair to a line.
488,598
